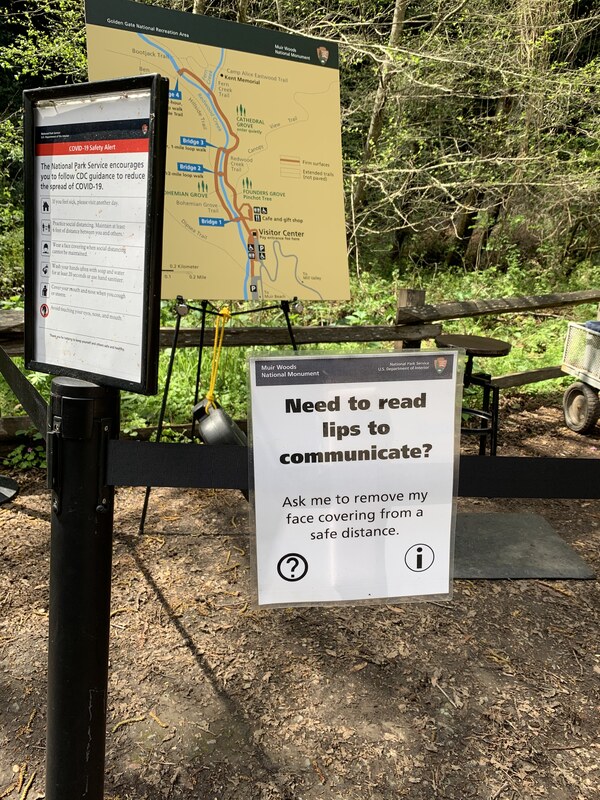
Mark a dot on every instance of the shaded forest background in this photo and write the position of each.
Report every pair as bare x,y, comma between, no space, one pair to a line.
471,129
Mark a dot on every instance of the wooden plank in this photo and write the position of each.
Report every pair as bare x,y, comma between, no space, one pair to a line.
503,305
334,334
271,337
13,347
523,378
409,297
11,322
31,400
10,426
12,326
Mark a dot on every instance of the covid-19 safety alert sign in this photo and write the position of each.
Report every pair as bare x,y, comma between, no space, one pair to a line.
354,462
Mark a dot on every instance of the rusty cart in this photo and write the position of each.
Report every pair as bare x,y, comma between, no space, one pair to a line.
581,359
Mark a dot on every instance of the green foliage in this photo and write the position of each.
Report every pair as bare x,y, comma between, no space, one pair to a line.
11,156
9,405
11,210
30,454
485,139
43,40
471,145
470,131
537,339
170,435
11,268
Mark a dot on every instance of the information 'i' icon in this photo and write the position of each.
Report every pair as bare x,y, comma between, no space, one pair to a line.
419,557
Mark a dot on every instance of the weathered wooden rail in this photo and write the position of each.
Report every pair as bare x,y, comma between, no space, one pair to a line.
413,324
324,334
12,334
503,305
12,340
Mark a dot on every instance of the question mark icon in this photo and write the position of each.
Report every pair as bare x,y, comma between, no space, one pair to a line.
292,567
295,561
428,450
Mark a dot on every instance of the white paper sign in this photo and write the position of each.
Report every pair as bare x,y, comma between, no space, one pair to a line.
354,473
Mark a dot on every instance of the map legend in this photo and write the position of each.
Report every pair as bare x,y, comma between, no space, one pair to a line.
290,167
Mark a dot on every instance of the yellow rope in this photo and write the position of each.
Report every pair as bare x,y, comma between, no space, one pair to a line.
222,319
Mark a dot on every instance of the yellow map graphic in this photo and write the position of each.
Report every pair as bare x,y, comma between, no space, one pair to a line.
254,195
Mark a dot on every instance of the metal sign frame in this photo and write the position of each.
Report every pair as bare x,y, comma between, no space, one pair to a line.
76,141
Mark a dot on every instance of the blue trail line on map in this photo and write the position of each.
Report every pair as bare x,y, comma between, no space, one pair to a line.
217,68
185,77
201,89
162,50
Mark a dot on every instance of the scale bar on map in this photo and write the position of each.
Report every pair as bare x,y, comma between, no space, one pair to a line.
290,167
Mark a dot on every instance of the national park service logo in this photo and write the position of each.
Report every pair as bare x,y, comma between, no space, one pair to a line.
322,54
440,364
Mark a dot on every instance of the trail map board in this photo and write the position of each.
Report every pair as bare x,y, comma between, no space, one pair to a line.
254,195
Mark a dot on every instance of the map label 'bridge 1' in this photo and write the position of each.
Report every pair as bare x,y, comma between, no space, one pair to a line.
254,203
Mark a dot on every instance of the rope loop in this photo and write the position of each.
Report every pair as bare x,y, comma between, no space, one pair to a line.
221,321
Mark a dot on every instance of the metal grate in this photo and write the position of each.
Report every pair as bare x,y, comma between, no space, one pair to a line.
581,357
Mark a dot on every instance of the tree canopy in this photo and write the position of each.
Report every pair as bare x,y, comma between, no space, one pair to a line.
470,129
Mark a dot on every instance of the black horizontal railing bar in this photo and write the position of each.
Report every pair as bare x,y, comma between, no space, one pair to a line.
529,476
29,397
177,465
226,467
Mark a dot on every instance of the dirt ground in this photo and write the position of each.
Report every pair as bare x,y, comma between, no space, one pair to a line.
493,695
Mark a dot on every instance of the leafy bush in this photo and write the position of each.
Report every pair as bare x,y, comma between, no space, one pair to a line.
11,272
30,454
537,338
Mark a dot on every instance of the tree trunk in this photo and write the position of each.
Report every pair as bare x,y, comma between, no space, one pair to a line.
464,228
279,6
493,215
243,10
377,118
401,236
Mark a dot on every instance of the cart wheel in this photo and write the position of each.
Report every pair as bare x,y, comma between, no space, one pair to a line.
581,407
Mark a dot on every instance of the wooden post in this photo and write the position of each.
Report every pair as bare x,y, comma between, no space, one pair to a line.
405,299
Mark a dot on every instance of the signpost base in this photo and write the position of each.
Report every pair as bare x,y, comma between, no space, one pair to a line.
8,489
505,546
82,418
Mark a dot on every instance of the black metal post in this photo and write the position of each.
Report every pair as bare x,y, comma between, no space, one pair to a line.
82,419
203,305
285,307
182,310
